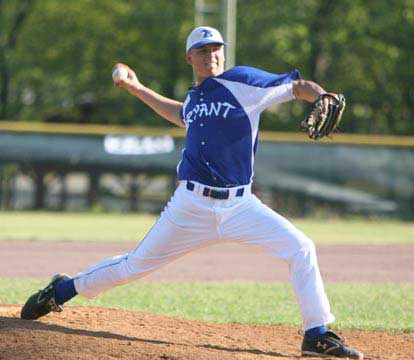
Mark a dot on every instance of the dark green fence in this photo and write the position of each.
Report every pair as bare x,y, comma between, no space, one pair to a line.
293,177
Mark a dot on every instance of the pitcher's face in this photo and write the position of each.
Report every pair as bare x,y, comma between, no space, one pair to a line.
207,61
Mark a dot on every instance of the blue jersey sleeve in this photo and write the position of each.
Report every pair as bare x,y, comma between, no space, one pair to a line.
258,78
257,89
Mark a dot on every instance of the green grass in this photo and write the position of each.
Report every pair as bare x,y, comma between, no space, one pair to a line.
74,226
388,307
133,227
358,232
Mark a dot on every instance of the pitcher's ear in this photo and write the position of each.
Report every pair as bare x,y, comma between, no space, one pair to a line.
188,58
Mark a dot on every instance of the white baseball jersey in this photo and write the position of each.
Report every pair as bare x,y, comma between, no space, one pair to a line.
213,203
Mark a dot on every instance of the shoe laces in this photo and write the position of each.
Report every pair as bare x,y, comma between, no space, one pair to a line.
335,336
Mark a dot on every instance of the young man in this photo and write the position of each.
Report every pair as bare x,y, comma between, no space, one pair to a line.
213,202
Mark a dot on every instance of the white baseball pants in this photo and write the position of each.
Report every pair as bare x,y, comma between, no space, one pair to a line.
191,221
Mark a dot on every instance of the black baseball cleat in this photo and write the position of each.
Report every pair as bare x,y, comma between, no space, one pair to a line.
43,302
329,344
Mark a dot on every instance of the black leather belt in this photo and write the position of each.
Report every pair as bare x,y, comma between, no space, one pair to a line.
215,194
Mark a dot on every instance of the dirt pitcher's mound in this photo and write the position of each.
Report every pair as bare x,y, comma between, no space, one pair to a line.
100,333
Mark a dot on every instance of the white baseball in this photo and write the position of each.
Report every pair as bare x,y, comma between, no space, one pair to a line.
119,73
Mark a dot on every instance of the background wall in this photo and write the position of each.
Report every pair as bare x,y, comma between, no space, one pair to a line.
129,172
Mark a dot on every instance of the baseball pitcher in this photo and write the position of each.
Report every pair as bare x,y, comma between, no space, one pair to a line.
213,202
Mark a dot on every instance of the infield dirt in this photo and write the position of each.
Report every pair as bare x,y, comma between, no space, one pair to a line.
98,333
41,259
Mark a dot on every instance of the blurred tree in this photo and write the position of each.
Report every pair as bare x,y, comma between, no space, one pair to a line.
61,66
360,48
12,17
69,48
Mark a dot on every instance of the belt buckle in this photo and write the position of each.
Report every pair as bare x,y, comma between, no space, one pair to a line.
216,194
220,194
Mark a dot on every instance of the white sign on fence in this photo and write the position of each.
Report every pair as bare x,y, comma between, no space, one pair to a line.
138,145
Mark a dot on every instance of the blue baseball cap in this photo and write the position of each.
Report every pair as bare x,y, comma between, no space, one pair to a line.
203,35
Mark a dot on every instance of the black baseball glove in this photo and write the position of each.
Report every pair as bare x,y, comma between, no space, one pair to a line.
324,116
